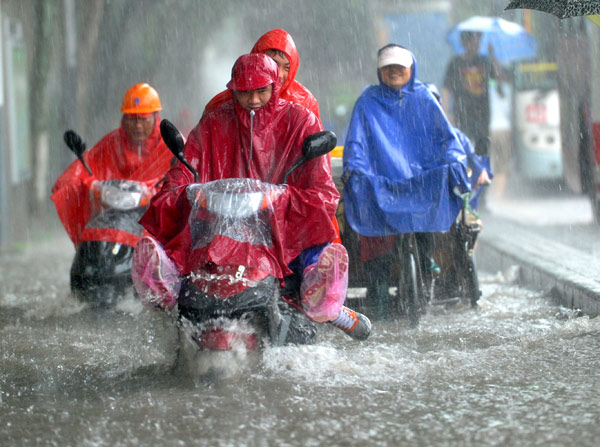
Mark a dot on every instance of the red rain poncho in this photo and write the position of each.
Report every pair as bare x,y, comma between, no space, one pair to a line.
113,157
292,90
219,148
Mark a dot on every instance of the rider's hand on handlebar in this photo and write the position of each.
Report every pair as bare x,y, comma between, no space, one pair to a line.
270,197
484,179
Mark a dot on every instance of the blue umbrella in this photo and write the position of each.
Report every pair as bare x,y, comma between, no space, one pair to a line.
510,41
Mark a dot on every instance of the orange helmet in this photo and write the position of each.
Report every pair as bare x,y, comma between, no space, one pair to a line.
141,98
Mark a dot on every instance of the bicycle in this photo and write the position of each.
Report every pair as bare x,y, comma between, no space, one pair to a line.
459,280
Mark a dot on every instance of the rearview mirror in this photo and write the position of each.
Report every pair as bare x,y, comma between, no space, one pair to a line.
313,146
74,142
77,146
317,144
172,137
174,141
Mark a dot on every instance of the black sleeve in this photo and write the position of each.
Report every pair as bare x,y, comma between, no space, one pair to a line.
450,77
492,70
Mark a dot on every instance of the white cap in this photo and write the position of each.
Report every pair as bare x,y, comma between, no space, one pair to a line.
395,56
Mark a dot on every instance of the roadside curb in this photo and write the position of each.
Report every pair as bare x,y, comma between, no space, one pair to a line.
569,276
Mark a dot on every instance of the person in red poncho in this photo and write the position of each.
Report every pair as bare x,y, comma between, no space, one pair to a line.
134,151
279,46
258,135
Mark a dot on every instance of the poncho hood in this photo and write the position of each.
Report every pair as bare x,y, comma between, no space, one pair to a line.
251,70
279,39
292,90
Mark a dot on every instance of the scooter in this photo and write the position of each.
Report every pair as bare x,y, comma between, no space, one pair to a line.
229,307
101,269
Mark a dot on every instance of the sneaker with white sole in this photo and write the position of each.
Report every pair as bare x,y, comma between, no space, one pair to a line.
353,323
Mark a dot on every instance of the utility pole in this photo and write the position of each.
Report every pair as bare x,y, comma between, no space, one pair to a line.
69,84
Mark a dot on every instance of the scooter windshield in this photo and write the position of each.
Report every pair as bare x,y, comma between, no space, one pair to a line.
117,204
237,208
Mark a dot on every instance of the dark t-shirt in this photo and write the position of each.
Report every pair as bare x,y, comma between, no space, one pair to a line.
468,80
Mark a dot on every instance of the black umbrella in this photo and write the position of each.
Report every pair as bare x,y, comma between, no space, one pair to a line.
560,8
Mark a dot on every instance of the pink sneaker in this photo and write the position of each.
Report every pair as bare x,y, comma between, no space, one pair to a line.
325,283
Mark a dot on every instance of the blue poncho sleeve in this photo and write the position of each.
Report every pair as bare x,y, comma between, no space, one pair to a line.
477,164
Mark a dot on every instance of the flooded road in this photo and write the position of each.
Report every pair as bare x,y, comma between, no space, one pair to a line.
519,371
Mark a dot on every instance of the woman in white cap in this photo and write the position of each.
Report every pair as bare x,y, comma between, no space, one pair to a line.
401,163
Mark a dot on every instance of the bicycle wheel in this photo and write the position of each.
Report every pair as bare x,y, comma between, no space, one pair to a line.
467,279
410,296
471,292
412,289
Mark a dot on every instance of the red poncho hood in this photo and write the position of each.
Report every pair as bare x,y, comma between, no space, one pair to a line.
292,90
279,39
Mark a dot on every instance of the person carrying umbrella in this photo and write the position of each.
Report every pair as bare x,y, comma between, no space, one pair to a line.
483,46
466,87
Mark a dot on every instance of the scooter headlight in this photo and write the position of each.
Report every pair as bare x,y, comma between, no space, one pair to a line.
236,205
121,195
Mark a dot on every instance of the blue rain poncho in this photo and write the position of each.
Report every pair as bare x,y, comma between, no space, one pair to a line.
402,160
477,164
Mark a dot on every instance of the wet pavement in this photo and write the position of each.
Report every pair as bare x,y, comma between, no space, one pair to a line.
551,212
550,234
519,370
516,371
